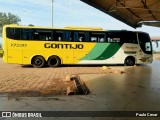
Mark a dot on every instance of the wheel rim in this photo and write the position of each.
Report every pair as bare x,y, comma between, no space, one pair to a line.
38,62
130,62
53,61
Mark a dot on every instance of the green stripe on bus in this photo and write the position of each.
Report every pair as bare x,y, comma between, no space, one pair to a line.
109,52
97,50
103,51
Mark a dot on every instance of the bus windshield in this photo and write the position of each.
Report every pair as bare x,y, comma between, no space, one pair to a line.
145,43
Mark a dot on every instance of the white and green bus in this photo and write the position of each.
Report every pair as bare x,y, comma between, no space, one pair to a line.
74,45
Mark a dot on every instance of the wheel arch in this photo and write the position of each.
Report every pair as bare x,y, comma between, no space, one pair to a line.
130,56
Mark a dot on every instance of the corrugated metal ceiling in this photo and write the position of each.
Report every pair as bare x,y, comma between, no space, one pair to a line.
132,12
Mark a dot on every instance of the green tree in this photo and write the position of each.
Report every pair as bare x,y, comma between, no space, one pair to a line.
8,18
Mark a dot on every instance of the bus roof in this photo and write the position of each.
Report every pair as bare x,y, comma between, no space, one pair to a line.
80,28
65,28
83,28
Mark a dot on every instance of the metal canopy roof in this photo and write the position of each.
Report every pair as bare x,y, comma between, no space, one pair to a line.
132,12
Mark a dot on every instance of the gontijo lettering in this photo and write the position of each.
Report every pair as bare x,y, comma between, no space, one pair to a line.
65,46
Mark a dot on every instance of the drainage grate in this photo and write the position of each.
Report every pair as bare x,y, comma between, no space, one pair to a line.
81,88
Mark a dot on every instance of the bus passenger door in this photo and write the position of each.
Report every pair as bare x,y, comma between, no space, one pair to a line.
14,45
15,52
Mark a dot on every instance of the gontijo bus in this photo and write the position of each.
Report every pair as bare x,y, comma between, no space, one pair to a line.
74,45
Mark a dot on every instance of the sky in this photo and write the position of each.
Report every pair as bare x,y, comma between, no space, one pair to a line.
65,13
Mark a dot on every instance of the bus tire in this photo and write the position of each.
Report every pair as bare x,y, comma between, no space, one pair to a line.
54,61
129,61
38,62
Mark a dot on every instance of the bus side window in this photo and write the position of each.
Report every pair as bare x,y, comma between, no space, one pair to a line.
14,33
27,34
113,37
13,30
75,37
93,37
79,36
24,35
45,35
87,36
97,37
68,36
130,37
109,39
58,35
101,37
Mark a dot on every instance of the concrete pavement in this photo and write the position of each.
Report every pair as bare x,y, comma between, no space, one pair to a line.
137,89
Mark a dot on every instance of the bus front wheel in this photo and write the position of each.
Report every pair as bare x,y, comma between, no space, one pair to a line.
38,62
54,61
129,61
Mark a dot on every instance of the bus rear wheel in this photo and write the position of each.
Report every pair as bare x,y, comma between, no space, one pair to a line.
38,62
54,61
129,61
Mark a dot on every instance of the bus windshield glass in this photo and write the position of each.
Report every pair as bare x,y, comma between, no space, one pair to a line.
145,43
